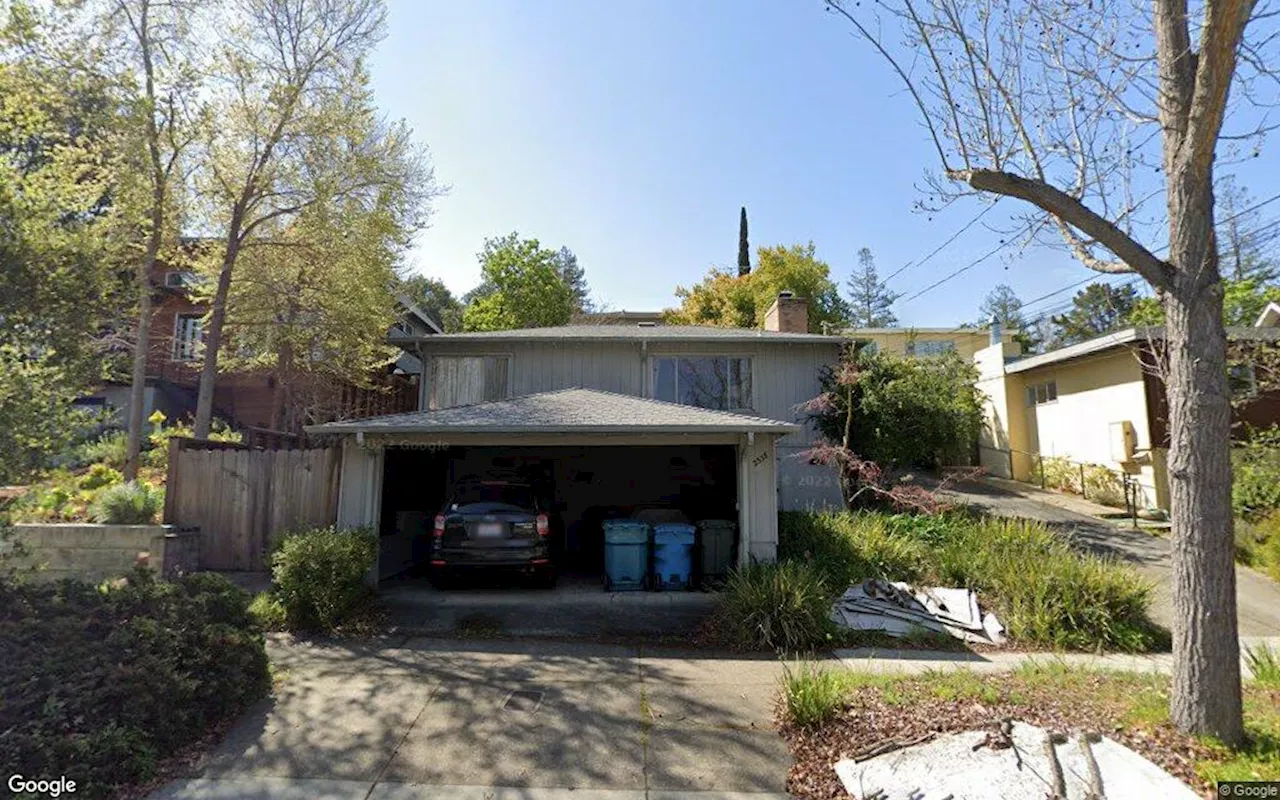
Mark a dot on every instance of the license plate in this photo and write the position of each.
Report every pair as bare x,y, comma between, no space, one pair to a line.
488,529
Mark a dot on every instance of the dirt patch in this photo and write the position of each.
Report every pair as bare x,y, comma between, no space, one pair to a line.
1127,709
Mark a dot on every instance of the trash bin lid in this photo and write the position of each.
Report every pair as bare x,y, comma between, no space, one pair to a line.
717,523
626,536
673,534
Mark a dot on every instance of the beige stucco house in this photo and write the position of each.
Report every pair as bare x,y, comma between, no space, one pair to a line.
966,342
1098,402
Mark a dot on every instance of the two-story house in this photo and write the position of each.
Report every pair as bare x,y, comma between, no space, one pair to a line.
613,417
246,399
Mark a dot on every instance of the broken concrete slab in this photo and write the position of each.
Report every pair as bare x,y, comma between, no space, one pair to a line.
962,765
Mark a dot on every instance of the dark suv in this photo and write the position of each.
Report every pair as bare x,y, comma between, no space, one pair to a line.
493,524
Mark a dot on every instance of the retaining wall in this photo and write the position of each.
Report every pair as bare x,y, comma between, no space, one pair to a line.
95,552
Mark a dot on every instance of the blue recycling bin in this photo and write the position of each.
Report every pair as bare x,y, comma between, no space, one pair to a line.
672,555
626,554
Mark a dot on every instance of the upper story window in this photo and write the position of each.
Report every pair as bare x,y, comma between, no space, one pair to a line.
180,279
188,335
930,347
467,380
1040,393
716,382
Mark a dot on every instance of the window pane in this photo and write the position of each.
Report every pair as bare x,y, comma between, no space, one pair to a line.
664,379
1052,390
740,383
495,377
704,382
1031,395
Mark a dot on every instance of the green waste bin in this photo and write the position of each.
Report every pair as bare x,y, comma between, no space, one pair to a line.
716,539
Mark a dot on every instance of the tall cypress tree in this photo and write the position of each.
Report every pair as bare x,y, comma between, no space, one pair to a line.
744,250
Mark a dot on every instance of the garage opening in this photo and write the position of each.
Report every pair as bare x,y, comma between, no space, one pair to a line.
582,486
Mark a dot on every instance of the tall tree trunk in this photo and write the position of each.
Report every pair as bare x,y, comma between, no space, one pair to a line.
1206,665
213,336
141,349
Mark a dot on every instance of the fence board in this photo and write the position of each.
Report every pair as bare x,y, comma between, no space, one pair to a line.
243,500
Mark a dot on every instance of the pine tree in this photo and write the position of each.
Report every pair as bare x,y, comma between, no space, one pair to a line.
744,250
870,299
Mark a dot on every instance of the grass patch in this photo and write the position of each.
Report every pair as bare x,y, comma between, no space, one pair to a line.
1264,663
1044,592
813,694
1258,544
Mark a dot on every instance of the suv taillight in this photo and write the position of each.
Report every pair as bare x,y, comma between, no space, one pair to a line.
544,525
438,531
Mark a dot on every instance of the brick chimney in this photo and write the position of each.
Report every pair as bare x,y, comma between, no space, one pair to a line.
788,314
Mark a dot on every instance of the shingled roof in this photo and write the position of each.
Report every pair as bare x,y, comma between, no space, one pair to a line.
567,411
694,333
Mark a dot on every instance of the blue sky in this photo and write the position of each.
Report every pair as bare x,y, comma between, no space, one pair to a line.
631,131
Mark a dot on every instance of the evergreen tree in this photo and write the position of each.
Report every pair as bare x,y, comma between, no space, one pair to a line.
576,277
1097,309
1003,306
744,249
870,299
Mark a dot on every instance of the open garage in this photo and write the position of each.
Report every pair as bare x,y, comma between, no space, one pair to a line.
580,486
592,456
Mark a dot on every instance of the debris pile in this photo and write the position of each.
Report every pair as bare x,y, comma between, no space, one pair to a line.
1015,761
900,609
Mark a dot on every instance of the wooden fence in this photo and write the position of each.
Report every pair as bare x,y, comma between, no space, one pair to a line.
242,499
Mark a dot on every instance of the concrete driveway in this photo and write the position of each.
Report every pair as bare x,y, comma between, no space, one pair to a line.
1257,597
433,718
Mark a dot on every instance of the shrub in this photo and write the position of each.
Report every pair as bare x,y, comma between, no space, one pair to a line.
99,475
127,504
109,450
907,412
269,612
1255,487
1042,590
101,682
157,454
812,695
319,575
784,606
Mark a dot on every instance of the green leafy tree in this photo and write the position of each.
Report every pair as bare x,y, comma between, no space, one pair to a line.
870,299
731,301
313,302
152,40
295,127
1097,309
902,413
433,297
61,235
525,287
1242,303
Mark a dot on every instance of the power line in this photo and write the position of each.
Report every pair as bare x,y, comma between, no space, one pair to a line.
951,275
942,246
1133,277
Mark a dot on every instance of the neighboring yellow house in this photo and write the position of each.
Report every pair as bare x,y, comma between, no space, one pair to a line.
1092,403
1089,403
926,341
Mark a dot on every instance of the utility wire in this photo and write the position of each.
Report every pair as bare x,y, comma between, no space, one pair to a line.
942,246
